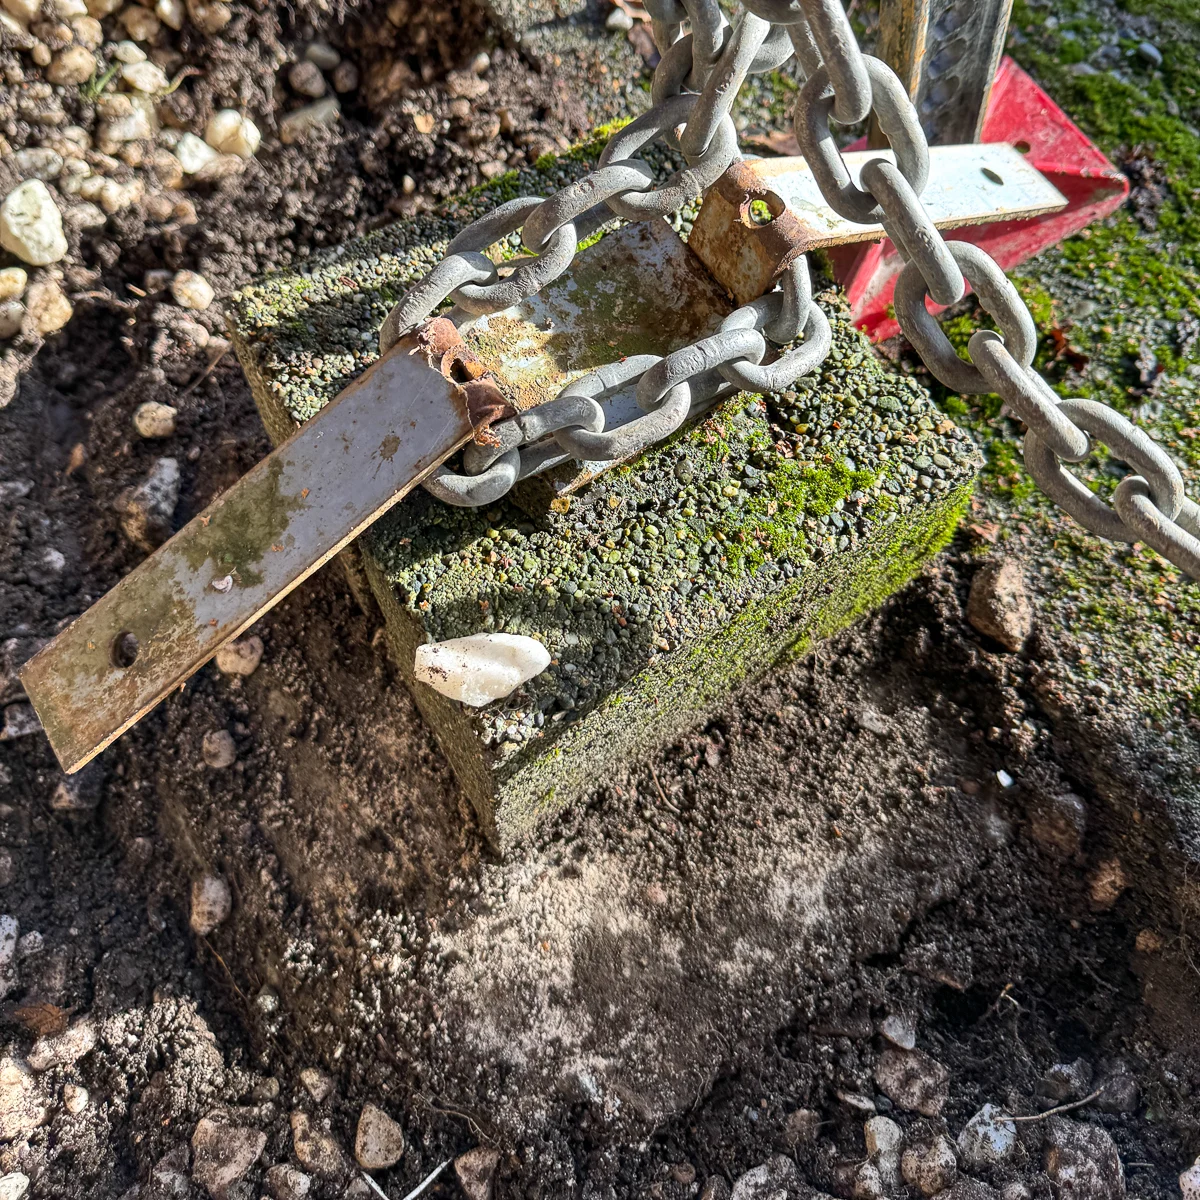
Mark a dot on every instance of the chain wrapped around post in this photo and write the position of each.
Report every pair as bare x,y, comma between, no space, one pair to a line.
704,62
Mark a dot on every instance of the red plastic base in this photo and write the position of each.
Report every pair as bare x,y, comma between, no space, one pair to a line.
1021,114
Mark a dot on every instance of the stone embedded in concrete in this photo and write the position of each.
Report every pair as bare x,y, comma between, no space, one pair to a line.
663,585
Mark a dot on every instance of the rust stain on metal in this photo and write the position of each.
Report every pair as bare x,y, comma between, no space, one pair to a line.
744,256
474,384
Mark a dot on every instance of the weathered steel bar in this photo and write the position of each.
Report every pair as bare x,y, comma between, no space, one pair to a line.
237,559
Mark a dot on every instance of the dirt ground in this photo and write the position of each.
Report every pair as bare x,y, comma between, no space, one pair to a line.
1036,970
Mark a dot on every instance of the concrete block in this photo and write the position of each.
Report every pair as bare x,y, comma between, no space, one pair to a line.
665,583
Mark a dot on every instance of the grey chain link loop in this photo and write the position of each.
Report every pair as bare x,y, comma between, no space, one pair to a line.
781,374
898,121
1175,540
846,67
1129,444
431,291
470,491
582,197
997,296
527,277
681,185
805,48
1028,395
914,234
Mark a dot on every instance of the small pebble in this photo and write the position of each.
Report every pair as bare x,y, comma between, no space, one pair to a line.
14,1186
287,1183
619,21
223,1154
75,1098
240,657
322,55
218,749
345,78
12,317
482,667
212,902
193,153
229,132
209,17
12,283
305,78
999,605
302,121
72,66
1150,53
192,290
476,1171
140,23
900,1030
930,1168
1189,1182
153,419
988,1139
1106,884
31,225
147,510
63,1049
128,52
316,1083
145,77
913,1081
378,1141
47,303
171,13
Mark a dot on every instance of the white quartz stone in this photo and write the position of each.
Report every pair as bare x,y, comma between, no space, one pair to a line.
480,668
30,224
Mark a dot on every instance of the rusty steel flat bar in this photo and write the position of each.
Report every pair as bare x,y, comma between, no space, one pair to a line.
266,534
968,185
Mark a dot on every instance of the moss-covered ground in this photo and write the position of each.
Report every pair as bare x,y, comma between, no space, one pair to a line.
1118,310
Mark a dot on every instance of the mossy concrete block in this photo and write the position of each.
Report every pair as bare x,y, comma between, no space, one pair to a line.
663,584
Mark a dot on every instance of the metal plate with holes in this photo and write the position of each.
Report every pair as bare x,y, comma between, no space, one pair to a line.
243,554
968,185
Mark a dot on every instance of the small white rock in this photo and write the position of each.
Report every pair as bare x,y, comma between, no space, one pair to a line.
297,124
900,1030
192,290
883,1136
129,52
48,305
30,224
229,132
482,667
12,317
154,420
12,283
140,23
88,32
171,13
285,1182
66,9
322,55
71,66
14,1186
1189,1182
240,657
23,11
86,215
75,1098
619,21
145,77
212,902
987,1139
193,153
379,1141
219,750
209,16
223,1154
63,1049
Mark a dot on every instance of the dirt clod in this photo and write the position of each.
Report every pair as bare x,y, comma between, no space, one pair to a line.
999,605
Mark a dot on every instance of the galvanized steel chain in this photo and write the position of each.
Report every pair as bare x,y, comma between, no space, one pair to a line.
704,62
1149,506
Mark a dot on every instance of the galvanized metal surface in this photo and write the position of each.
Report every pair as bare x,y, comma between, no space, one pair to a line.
967,185
244,553
945,53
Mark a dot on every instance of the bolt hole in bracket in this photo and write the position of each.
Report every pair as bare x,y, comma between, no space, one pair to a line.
968,185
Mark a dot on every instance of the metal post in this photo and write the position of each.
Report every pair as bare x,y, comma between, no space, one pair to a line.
946,53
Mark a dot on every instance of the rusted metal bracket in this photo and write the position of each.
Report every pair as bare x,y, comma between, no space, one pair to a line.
760,215
946,53
286,517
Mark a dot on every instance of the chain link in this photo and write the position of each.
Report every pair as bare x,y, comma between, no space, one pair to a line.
704,62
